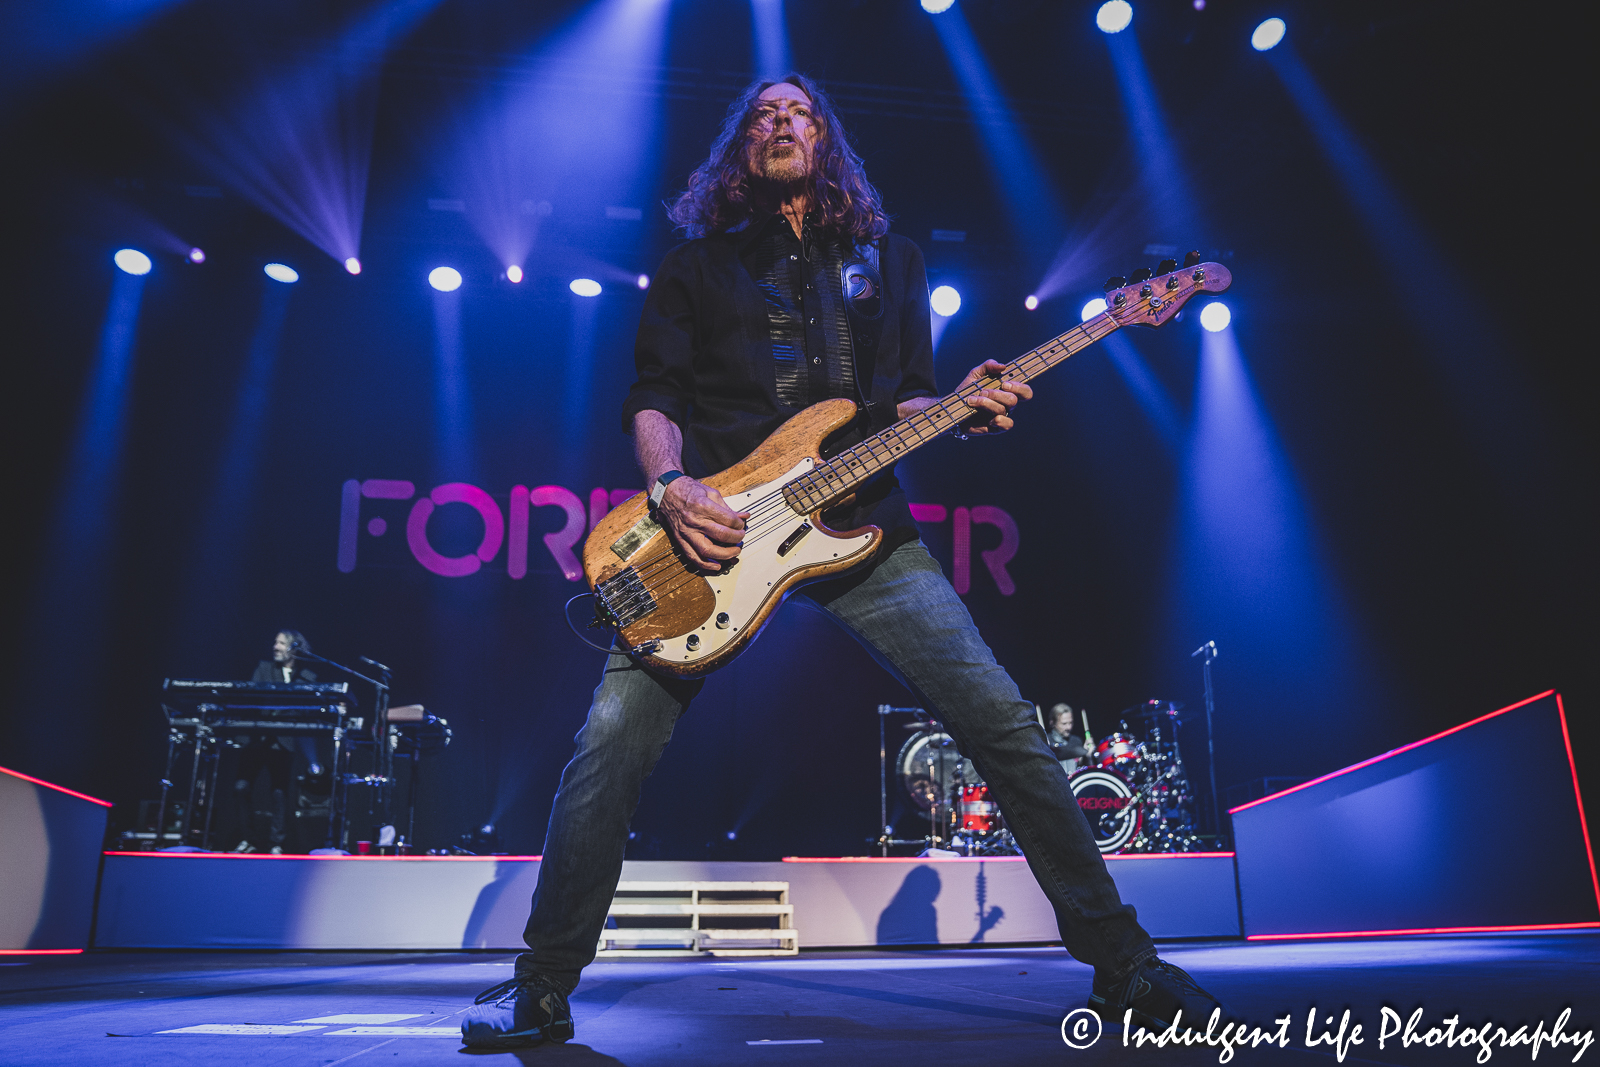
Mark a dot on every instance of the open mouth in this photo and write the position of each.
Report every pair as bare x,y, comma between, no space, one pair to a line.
782,139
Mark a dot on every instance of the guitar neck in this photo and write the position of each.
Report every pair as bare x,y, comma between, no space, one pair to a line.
838,478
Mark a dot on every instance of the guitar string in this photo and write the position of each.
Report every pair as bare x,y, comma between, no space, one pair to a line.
876,449
863,453
1041,356
769,510
1045,356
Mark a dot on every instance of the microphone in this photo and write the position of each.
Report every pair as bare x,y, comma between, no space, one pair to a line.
1212,645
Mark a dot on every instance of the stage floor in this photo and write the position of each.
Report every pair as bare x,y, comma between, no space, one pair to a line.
947,1006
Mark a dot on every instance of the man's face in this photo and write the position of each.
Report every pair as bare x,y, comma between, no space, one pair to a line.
782,135
282,649
1063,723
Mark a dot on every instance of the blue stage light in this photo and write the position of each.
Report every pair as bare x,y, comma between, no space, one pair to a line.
513,273
1031,303
279,272
197,255
1114,16
585,287
1215,316
945,301
445,279
644,281
1267,35
132,261
353,265
1091,309
934,7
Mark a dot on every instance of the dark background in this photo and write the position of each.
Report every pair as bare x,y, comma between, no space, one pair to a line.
1449,508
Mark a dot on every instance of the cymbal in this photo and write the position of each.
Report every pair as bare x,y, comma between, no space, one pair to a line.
921,724
1152,709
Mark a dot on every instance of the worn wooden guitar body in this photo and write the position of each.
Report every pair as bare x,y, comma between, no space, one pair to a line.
678,620
685,622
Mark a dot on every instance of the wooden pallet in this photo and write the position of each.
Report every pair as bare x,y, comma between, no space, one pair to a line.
680,900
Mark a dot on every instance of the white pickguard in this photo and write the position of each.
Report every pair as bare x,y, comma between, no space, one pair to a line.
741,592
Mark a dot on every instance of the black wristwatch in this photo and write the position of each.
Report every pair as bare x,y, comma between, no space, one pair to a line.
659,490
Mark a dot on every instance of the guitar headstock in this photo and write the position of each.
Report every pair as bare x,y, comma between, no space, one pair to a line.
1150,298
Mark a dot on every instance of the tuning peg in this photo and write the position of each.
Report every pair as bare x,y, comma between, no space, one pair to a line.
1140,275
1166,266
1116,281
1190,260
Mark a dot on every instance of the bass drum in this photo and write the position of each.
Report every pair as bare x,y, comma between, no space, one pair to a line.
928,766
1107,801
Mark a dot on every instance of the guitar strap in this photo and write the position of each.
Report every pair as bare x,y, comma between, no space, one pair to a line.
862,286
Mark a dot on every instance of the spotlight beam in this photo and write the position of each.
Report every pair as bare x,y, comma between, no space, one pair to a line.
581,125
1491,400
771,39
1031,204
297,141
1164,178
70,610
1151,396
213,583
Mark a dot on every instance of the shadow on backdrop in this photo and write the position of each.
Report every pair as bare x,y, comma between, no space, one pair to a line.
910,918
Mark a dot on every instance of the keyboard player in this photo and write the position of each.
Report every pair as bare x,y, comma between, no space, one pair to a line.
274,755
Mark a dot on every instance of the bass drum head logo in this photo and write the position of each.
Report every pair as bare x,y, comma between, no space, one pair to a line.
1107,801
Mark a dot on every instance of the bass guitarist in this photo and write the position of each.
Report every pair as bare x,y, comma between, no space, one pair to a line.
792,291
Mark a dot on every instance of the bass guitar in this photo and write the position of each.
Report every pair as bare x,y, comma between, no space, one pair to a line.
679,620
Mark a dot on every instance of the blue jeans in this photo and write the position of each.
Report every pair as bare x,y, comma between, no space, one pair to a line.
907,615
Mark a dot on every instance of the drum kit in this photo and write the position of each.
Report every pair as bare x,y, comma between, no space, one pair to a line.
1131,786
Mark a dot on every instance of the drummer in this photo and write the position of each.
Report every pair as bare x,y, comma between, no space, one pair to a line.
1065,740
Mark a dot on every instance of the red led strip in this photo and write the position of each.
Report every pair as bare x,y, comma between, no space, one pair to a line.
1582,821
1424,930
998,859
59,789
1402,748
40,951
298,856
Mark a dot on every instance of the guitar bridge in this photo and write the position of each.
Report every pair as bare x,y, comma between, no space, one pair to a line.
624,599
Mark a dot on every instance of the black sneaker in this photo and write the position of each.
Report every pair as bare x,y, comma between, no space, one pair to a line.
518,1012
1156,991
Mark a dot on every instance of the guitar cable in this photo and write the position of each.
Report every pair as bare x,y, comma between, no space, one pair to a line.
566,612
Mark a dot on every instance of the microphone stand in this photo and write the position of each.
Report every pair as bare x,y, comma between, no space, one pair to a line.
1209,650
383,780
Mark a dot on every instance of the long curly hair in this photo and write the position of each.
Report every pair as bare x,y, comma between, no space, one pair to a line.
719,194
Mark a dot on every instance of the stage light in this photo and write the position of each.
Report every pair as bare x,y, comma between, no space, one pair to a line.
1091,309
132,261
445,279
945,301
934,7
585,287
1267,35
1114,16
1215,316
279,272
197,255
353,265
644,281
733,835
513,274
1032,303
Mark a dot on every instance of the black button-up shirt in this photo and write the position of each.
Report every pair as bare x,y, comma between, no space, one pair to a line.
735,340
